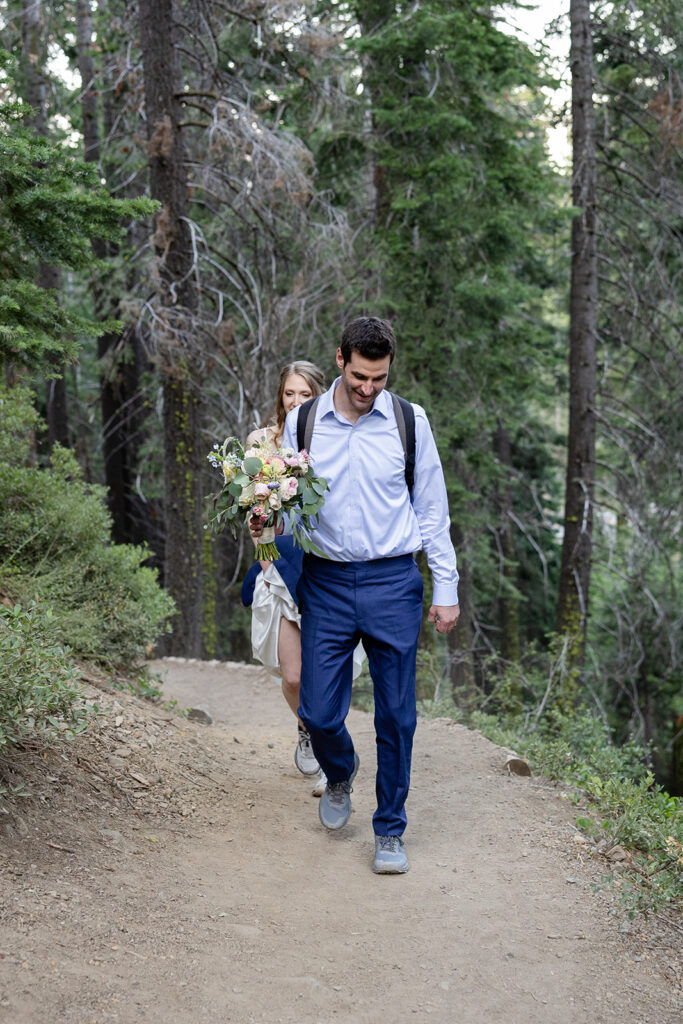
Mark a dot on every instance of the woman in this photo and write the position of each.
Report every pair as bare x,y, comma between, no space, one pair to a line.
271,591
299,381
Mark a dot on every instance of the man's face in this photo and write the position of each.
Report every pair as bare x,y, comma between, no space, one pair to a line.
362,380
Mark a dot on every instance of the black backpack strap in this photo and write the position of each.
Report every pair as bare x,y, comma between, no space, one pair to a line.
405,420
304,423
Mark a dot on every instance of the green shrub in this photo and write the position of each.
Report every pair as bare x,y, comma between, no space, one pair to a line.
38,681
17,419
109,607
55,548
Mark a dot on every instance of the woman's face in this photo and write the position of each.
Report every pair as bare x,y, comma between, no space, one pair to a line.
296,391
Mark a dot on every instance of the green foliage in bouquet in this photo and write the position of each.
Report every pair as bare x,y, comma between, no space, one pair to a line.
276,485
55,549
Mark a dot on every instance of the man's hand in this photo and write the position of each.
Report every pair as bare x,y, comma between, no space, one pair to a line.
444,615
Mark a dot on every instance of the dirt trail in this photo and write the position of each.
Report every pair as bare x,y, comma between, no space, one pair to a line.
208,892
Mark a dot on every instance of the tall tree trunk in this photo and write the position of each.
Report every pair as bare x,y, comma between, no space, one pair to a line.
33,63
372,15
461,640
173,328
573,596
86,66
676,785
118,354
508,603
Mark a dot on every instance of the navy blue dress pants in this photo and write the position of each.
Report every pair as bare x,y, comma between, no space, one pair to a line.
380,603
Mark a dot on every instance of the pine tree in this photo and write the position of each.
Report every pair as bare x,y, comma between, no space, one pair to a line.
172,332
461,199
572,608
635,626
52,206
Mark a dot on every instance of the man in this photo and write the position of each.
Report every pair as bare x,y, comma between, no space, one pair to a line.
368,586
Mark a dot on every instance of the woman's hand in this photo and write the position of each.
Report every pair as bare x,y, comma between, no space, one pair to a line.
255,527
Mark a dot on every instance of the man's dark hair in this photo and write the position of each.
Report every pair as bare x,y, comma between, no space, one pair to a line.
370,337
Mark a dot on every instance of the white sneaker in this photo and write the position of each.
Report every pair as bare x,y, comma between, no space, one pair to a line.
304,758
321,783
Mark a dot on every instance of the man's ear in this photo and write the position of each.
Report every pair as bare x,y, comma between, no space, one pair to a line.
340,359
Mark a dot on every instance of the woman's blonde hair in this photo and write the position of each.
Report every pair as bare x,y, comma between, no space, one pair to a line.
313,377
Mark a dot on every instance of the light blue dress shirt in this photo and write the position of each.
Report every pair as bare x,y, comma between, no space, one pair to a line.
368,513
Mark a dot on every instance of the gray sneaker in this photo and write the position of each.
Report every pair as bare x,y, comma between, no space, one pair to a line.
390,856
304,758
335,803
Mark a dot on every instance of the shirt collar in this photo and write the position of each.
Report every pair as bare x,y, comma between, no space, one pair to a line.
382,403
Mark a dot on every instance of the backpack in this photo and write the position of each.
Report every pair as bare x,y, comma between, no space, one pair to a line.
405,420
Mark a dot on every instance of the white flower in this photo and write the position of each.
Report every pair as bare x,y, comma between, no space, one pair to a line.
247,497
229,470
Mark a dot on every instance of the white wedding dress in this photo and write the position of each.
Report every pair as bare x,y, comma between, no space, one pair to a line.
270,604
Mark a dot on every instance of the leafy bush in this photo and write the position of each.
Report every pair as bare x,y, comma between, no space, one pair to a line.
642,816
38,681
55,548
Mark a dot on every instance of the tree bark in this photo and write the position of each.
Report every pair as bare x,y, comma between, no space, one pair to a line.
172,330
574,586
33,54
119,354
461,639
86,66
676,786
508,604
372,15
33,62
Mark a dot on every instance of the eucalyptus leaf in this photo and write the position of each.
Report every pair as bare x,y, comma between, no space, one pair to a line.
252,465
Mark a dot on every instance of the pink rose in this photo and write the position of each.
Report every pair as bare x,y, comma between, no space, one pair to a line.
261,490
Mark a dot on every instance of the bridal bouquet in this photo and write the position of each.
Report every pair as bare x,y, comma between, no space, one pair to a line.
275,484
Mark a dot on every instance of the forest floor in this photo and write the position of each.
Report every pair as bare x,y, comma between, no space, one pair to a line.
168,872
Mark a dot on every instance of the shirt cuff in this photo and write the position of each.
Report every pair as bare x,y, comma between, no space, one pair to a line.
445,594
